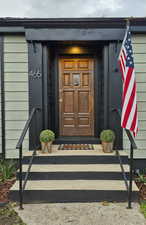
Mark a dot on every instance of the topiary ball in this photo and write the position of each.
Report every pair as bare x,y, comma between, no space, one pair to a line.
47,136
107,136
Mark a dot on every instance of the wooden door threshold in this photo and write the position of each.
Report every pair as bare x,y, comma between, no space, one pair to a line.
77,140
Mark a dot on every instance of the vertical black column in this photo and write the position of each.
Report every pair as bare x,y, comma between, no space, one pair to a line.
46,63
115,93
106,85
2,96
35,90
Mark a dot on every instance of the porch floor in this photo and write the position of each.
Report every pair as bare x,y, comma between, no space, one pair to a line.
97,151
74,176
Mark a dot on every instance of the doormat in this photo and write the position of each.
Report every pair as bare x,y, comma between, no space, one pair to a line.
76,147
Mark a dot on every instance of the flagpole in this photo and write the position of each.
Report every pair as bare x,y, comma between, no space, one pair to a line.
131,153
129,118
127,22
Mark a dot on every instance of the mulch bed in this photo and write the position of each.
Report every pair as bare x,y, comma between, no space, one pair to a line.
5,189
142,190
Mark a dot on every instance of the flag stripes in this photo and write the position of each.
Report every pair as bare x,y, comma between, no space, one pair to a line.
129,118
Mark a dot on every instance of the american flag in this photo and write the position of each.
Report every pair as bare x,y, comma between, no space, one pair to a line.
129,117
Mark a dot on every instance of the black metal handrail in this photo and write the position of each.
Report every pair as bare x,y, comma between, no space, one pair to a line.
130,137
19,146
132,147
123,171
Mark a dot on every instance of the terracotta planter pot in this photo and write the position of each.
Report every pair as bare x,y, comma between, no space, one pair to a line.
46,147
5,189
107,147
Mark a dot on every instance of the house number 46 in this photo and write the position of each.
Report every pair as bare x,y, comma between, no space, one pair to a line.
35,74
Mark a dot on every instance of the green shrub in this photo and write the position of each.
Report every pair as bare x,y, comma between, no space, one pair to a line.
47,136
107,136
143,208
141,178
7,170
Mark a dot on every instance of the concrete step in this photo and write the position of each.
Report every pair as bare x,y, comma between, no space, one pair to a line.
74,176
98,150
106,185
76,159
53,196
76,168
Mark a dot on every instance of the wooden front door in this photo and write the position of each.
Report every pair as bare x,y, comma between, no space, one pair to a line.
76,97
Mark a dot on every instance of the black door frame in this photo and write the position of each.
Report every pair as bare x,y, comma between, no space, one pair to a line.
55,92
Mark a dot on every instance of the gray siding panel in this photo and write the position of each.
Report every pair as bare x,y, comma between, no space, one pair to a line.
139,46
16,91
0,123
1,78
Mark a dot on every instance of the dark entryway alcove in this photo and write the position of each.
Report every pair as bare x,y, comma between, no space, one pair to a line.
107,86
92,50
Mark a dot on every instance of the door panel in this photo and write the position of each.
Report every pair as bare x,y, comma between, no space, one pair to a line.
76,97
68,101
83,101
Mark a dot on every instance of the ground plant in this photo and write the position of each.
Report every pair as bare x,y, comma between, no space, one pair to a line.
7,179
7,170
143,208
8,216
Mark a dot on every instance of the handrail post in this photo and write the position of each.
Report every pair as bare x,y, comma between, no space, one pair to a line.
36,128
19,146
130,177
20,179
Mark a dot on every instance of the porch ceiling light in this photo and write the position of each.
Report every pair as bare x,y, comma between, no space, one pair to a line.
75,50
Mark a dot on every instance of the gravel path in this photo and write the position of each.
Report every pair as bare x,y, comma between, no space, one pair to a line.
81,214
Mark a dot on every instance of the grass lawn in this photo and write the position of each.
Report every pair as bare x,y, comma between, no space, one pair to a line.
8,216
143,207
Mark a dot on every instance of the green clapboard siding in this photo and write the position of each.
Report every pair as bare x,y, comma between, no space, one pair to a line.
142,124
13,134
15,47
141,106
15,39
16,67
139,39
16,96
16,115
12,124
140,58
140,67
140,144
16,106
141,96
11,144
0,125
141,87
15,86
16,90
141,77
19,58
16,77
139,47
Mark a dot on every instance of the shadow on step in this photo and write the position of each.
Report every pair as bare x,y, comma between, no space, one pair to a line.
56,196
